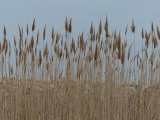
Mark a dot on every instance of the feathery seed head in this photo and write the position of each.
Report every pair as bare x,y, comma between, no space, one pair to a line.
70,26
27,29
4,31
91,28
132,27
152,27
33,25
100,28
126,30
44,32
158,33
142,33
106,27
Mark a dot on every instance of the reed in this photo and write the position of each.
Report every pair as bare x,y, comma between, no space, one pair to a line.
79,78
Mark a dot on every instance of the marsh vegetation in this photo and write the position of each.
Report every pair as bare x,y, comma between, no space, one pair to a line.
79,78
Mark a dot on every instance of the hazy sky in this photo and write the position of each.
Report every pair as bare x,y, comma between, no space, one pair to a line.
83,12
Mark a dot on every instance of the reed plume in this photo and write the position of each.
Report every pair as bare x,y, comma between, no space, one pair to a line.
70,26
79,77
33,25
106,27
44,33
4,32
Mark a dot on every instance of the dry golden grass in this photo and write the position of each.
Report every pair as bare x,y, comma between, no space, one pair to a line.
69,78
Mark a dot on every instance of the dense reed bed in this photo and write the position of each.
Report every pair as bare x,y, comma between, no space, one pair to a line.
79,78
